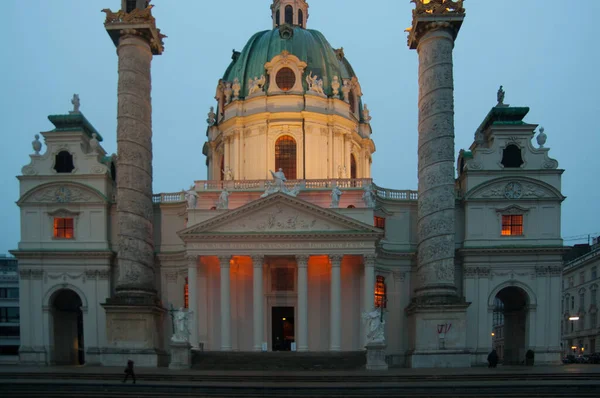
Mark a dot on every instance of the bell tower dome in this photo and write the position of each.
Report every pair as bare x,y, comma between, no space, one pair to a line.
290,12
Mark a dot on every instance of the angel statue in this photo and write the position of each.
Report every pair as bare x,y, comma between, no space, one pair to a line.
279,178
181,331
375,326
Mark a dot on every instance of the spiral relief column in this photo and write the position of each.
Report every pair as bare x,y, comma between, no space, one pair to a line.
435,26
134,314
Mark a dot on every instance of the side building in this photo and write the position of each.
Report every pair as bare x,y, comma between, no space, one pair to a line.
9,310
579,325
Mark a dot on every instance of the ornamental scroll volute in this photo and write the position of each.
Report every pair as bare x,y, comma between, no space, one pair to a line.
434,7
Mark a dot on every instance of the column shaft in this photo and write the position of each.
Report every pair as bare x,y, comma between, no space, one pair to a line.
193,299
369,281
435,217
302,328
225,304
336,304
257,301
135,257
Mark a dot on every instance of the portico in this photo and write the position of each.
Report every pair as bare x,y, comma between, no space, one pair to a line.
314,261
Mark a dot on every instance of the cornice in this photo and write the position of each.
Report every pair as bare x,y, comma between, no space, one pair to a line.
29,254
295,236
558,250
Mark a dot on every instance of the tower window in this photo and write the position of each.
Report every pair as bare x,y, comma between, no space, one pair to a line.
63,228
131,5
285,156
285,79
379,222
289,15
511,156
63,162
277,18
300,18
512,225
352,166
222,168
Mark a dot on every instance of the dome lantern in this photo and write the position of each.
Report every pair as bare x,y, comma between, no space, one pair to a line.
289,12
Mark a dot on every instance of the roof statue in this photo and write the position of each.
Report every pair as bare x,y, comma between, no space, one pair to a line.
36,144
76,103
541,138
500,96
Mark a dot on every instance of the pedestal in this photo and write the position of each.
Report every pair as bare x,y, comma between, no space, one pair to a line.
134,332
376,356
438,335
181,356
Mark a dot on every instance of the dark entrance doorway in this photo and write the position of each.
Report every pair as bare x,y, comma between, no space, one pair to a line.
67,320
282,321
512,304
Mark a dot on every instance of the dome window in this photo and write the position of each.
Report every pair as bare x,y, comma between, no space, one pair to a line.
289,15
285,79
285,156
511,156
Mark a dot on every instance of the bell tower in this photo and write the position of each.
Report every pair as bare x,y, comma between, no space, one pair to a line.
289,12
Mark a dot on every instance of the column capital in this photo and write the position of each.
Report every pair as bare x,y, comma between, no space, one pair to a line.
369,259
302,260
257,260
192,260
224,261
336,259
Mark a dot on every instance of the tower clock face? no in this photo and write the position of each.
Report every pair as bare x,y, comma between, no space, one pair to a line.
513,190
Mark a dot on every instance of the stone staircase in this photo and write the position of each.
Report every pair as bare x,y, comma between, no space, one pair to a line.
292,361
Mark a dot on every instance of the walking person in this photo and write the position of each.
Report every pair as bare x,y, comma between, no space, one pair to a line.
492,359
129,371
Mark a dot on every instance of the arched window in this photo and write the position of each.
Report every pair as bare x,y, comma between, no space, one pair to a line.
285,79
63,162
352,166
285,156
511,156
289,15
352,100
277,17
300,18
380,293
222,168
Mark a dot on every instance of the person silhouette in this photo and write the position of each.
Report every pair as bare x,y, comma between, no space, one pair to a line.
129,372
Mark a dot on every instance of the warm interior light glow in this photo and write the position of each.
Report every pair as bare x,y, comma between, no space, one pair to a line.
573,318
283,319
493,334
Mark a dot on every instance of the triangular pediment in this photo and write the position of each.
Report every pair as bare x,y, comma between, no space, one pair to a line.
280,214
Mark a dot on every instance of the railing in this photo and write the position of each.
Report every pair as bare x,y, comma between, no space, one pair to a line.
348,184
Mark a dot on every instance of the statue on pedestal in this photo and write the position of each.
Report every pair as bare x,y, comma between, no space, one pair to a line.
228,173
346,90
191,197
279,178
335,87
94,144
369,196
366,114
236,87
212,117
278,185
76,104
228,92
500,96
336,193
223,202
181,331
375,326
256,85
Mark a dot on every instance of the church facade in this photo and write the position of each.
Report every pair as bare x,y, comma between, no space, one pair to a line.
289,241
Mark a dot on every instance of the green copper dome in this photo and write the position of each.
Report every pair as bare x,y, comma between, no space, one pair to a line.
308,45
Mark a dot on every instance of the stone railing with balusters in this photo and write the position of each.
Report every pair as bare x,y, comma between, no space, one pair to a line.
306,185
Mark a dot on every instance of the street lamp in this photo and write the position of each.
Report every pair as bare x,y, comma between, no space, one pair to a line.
573,318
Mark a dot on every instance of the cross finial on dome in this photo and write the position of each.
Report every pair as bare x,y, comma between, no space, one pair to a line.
289,12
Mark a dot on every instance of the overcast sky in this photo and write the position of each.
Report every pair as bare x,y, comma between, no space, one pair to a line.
544,52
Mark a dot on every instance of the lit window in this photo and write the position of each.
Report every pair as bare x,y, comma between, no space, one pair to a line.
63,228
380,293
186,294
285,79
512,225
285,156
380,222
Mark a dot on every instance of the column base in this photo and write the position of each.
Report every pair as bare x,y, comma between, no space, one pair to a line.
181,356
134,331
33,356
376,356
438,332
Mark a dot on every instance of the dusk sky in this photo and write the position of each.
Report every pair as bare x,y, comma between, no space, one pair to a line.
544,53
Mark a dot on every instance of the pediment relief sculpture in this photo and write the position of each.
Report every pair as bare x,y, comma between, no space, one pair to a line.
514,189
62,193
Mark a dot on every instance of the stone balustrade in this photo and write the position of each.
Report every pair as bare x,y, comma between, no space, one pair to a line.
306,185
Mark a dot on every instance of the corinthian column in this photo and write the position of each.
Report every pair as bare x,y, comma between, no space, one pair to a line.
257,301
335,317
435,26
302,328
